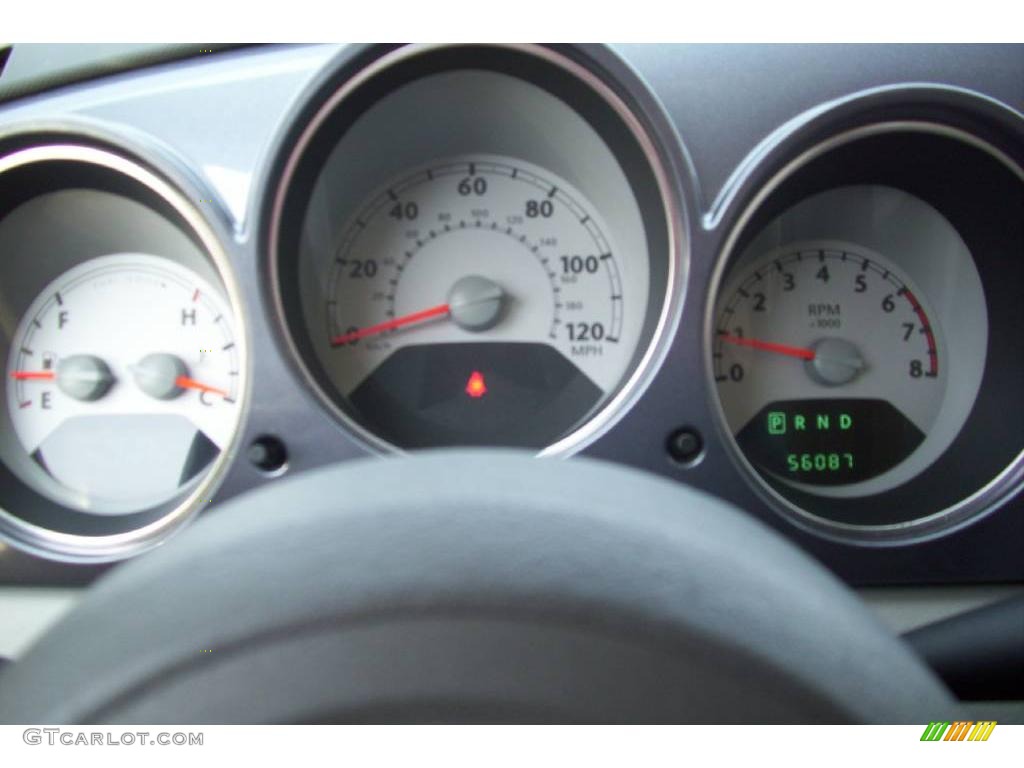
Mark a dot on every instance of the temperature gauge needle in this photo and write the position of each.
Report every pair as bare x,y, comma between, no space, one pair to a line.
782,349
186,383
441,310
33,375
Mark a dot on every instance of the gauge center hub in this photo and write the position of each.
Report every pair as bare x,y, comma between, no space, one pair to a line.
492,280
475,303
836,362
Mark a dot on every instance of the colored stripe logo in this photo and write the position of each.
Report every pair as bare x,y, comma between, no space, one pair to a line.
961,730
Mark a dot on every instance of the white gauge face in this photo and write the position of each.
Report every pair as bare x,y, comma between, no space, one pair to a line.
820,348
123,382
486,278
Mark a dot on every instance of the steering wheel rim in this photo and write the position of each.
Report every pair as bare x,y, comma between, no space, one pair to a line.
472,586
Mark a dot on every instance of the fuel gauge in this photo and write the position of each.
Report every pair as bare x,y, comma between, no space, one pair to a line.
123,382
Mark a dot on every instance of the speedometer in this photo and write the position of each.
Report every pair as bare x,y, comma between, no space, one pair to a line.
474,246
479,299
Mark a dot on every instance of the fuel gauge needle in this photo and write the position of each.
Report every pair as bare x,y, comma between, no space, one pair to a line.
186,383
33,375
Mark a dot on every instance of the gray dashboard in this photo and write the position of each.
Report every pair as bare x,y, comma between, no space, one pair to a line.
724,114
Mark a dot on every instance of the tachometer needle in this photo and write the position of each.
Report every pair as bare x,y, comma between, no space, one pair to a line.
441,310
30,375
782,349
186,383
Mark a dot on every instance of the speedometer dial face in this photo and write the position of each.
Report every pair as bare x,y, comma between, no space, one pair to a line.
478,300
830,366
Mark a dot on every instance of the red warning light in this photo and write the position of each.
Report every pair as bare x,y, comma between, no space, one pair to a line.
476,387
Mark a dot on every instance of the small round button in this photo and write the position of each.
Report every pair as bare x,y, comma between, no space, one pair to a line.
268,453
685,445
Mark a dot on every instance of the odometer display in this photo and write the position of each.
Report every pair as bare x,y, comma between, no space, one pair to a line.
829,441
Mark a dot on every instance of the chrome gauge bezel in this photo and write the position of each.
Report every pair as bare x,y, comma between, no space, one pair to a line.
970,507
88,146
670,295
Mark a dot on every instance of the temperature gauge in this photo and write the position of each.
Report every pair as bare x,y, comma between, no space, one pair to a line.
123,382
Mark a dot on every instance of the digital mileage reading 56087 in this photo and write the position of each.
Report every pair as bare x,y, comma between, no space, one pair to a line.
829,442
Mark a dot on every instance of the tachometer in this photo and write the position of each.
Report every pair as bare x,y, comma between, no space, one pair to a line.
847,347
830,369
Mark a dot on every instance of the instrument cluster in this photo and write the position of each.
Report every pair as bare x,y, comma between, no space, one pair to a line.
507,246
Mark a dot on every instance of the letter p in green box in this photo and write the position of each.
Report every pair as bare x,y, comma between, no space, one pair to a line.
776,423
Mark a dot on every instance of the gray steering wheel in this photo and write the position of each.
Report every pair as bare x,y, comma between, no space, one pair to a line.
483,586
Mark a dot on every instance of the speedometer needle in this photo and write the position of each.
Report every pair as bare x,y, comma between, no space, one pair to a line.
782,349
441,310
